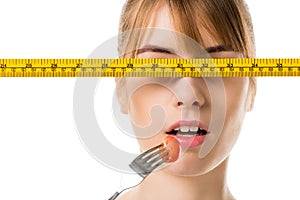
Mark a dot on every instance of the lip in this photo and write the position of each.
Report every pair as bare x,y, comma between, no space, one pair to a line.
189,141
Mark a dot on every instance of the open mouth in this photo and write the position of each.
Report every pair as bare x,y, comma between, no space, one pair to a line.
188,128
188,131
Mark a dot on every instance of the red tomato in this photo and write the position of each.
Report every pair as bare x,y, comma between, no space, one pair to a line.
173,147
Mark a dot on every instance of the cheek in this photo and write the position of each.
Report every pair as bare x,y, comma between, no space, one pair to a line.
144,99
236,95
236,91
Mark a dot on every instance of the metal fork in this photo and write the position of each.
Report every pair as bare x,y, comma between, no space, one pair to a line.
148,161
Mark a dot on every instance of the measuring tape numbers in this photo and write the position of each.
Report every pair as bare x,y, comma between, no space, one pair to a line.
150,67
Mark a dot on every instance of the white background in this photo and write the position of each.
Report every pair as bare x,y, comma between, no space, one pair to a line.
41,156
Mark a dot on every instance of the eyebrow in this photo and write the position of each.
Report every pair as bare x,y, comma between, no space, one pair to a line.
158,49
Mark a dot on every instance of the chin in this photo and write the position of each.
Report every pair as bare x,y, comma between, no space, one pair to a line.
189,165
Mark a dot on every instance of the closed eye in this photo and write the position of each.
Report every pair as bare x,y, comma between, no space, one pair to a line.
218,48
155,49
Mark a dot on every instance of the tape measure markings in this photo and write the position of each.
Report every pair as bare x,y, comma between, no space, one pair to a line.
151,67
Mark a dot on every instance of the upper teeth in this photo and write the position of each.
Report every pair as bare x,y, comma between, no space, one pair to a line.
188,128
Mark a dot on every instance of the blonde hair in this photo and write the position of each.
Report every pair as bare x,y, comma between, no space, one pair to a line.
227,21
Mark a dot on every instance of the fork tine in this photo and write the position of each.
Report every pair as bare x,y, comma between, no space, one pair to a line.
153,162
149,160
149,151
157,165
151,155
160,157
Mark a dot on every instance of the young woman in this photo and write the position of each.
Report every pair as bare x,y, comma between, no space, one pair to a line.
168,29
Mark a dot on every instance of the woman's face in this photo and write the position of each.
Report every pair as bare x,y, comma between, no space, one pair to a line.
158,105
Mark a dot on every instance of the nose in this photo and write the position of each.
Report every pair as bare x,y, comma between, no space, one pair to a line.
190,92
195,103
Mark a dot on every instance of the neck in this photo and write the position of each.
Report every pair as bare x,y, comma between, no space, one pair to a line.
162,185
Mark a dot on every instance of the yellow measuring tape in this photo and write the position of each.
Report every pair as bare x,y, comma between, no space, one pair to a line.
150,67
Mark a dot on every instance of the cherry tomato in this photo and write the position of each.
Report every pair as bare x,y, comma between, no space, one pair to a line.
173,147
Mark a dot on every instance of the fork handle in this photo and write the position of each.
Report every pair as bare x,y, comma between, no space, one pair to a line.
114,196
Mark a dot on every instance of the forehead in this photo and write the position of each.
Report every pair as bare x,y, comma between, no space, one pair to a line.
162,30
